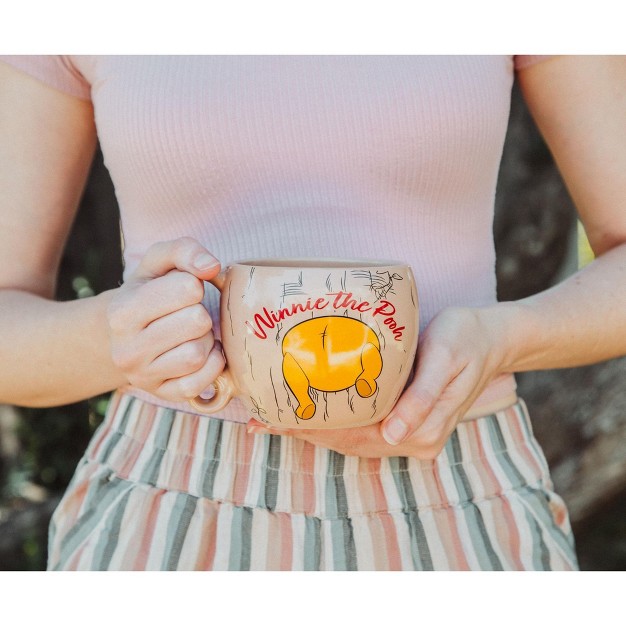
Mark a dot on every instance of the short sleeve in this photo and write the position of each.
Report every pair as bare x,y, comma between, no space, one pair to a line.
522,61
54,70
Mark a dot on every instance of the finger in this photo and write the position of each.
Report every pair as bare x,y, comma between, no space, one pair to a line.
435,371
154,299
192,385
310,434
169,331
185,359
361,441
185,254
430,437
462,393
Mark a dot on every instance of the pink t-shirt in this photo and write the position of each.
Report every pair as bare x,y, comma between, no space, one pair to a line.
391,157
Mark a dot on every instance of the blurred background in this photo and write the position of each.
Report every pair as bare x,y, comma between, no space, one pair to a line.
579,415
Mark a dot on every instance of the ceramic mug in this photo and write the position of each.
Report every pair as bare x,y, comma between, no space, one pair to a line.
315,343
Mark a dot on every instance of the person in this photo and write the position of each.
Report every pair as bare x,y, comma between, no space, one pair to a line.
221,158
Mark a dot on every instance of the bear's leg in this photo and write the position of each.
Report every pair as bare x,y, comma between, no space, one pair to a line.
372,364
299,385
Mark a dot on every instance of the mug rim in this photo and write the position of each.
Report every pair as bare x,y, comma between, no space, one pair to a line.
317,263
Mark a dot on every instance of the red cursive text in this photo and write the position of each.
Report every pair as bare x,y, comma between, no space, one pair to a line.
267,319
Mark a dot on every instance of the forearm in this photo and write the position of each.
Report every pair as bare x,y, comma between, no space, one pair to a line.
54,353
577,322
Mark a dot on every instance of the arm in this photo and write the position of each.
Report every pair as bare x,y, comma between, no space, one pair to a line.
152,331
47,141
579,105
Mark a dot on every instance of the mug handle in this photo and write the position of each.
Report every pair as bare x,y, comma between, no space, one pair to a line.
223,384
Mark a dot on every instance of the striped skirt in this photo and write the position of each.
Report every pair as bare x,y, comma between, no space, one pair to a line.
159,489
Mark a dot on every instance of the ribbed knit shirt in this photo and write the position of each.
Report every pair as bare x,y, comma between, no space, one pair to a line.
390,157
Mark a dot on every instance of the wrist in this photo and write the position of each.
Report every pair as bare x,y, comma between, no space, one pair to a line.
100,320
516,336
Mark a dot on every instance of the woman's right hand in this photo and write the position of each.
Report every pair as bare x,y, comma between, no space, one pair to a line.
160,332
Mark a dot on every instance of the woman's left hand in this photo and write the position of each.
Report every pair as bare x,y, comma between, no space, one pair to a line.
459,353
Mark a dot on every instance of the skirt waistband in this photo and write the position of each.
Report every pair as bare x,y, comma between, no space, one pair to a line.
217,459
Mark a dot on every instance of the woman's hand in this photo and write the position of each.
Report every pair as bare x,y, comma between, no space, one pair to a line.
161,334
459,353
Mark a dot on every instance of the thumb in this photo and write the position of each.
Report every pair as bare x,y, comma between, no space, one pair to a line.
434,373
185,254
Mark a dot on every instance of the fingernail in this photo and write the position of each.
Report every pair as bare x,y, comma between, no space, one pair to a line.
394,431
205,261
256,430
207,394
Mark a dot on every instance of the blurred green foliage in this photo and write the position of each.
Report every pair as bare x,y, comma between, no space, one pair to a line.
52,442
54,439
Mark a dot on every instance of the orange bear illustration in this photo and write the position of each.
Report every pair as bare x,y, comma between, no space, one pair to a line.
330,353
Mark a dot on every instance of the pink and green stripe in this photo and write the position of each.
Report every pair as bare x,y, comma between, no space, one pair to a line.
166,490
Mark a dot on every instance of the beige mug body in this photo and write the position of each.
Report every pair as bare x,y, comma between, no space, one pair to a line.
315,343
